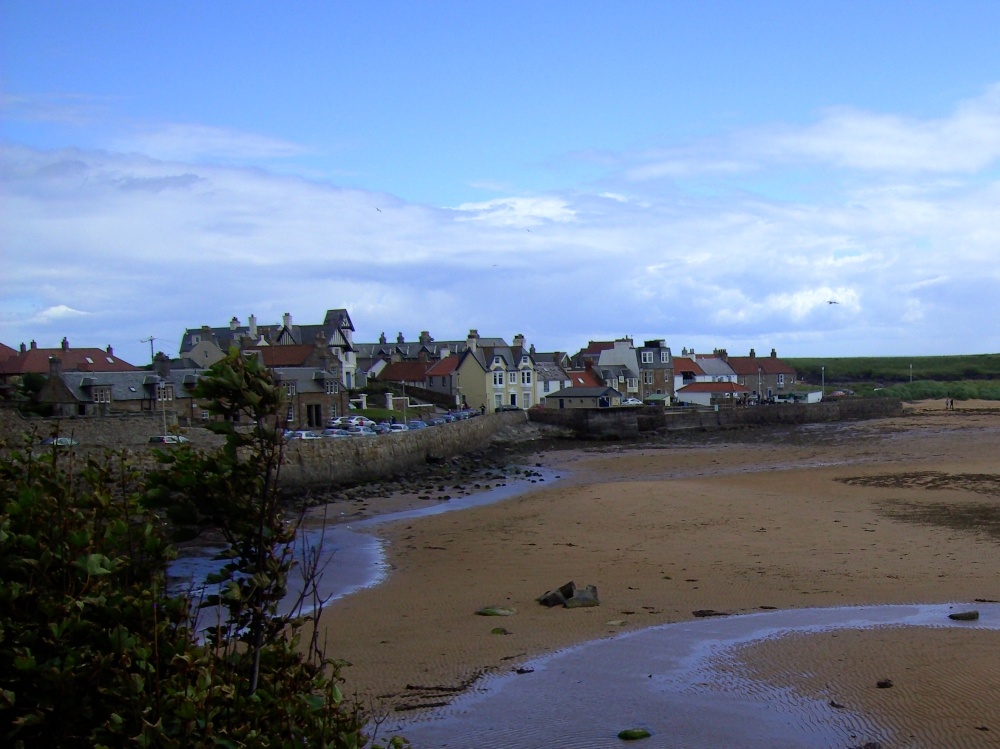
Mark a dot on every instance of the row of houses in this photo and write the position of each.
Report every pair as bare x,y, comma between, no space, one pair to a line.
321,366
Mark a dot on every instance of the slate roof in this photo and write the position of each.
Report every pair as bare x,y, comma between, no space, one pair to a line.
714,366
584,392
747,365
548,371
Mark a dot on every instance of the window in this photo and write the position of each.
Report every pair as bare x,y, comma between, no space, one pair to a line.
497,400
526,399
664,357
498,378
289,389
525,376
647,378
164,392
545,386
204,415
647,357
781,380
633,384
332,387
512,377
102,395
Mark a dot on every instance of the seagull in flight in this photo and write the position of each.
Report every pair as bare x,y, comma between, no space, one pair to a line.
378,209
832,301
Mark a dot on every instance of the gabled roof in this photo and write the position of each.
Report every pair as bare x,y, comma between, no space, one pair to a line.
73,360
713,387
6,352
714,366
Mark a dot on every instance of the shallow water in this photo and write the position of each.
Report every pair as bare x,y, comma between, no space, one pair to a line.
349,557
663,679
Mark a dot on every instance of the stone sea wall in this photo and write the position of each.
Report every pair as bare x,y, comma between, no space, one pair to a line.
630,423
308,464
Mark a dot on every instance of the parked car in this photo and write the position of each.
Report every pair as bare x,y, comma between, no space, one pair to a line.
352,421
507,407
381,428
168,439
60,441
436,421
359,431
398,428
416,424
336,433
631,402
302,434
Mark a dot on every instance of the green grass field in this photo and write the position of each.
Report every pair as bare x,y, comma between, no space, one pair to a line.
966,377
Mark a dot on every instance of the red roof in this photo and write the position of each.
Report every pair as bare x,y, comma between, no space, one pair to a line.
713,387
405,371
443,367
684,364
73,360
584,378
285,356
6,352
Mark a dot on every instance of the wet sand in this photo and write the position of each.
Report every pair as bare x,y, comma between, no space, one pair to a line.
903,510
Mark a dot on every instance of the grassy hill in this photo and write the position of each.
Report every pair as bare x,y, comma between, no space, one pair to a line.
911,378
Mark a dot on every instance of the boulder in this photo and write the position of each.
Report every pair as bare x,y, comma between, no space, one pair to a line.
964,616
497,611
570,596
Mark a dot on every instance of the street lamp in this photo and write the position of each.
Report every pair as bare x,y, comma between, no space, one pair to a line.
911,373
823,372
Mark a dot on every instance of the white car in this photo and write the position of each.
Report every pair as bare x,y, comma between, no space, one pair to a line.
398,428
631,402
300,434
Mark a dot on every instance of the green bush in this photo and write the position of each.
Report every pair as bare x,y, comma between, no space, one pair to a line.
93,653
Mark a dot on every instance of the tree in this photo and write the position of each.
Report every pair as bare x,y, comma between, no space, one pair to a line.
94,653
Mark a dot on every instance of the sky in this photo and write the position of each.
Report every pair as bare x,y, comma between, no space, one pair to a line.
819,178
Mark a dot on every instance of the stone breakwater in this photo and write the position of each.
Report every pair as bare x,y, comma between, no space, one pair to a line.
630,423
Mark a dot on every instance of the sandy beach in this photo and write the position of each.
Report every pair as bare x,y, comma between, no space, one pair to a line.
893,511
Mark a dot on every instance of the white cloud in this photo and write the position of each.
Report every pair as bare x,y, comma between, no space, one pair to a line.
151,246
192,142
55,314
517,212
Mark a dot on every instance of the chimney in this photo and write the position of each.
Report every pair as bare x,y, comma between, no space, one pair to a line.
473,340
111,351
774,354
425,337
519,340
753,354
253,327
382,339
286,319
161,365
25,348
399,338
531,349
65,344
55,366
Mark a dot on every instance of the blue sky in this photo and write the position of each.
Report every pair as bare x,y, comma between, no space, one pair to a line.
710,173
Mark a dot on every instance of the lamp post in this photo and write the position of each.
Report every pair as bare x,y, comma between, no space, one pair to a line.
911,373
822,369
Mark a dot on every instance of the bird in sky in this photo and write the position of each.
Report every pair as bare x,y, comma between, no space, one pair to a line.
378,209
832,301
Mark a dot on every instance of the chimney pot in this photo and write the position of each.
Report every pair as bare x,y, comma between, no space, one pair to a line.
65,344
